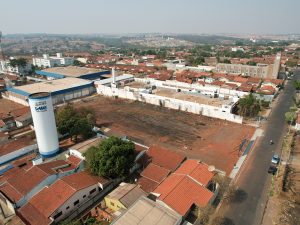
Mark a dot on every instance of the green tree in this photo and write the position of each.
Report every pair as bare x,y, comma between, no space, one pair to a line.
18,62
248,106
291,63
251,63
290,116
297,85
77,63
112,158
74,122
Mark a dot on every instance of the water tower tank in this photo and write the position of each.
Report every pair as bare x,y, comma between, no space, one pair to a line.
44,123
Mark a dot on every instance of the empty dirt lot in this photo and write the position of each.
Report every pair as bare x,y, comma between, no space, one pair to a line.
215,142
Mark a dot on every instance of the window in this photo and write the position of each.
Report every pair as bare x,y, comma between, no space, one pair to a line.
84,196
67,207
57,215
92,191
112,203
75,203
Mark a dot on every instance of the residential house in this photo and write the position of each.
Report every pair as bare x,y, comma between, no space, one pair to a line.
158,163
190,185
123,196
148,212
19,188
65,198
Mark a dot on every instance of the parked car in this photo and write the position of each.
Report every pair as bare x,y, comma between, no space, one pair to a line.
275,159
272,169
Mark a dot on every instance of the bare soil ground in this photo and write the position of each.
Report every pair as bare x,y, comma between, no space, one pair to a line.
6,106
215,142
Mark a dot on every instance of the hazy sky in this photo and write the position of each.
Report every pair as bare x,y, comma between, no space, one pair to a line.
140,16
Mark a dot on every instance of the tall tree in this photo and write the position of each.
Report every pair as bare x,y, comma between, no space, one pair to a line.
112,158
74,122
248,106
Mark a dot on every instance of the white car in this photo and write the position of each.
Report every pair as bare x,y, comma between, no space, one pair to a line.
275,159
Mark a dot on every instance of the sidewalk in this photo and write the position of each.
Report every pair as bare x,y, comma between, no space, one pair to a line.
240,162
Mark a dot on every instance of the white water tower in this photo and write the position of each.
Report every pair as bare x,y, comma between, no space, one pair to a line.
44,123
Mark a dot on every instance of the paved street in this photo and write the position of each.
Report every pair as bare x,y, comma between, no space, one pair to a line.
254,181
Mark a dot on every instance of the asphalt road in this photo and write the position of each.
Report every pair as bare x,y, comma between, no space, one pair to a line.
254,182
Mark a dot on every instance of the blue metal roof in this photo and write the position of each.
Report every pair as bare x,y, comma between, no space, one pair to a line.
48,74
17,91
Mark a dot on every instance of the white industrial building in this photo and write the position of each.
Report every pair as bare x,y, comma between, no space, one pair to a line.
5,67
51,61
62,90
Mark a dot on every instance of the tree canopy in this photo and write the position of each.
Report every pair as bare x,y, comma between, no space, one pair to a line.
74,122
248,106
297,85
18,62
112,158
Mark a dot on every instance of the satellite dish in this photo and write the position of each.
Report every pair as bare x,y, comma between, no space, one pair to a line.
211,168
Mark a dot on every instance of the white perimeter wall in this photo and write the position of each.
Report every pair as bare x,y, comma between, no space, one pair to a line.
196,108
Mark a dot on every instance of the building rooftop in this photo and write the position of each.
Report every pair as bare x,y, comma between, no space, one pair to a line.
44,203
180,192
85,145
51,86
191,97
127,194
72,71
196,170
23,181
164,157
155,173
14,145
118,79
148,212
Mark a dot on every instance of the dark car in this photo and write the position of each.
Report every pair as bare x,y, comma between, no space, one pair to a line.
272,169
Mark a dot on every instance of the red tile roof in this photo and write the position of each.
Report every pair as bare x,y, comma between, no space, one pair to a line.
75,161
49,199
32,215
196,170
245,87
217,83
147,185
267,89
26,180
180,192
165,158
240,79
155,173
82,180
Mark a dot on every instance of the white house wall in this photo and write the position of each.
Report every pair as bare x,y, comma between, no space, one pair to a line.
196,108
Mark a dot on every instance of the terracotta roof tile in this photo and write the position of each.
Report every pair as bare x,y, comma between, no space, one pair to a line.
182,192
147,185
33,216
196,170
155,173
165,158
82,180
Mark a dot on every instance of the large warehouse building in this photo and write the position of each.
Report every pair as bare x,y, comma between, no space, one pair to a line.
72,71
62,90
